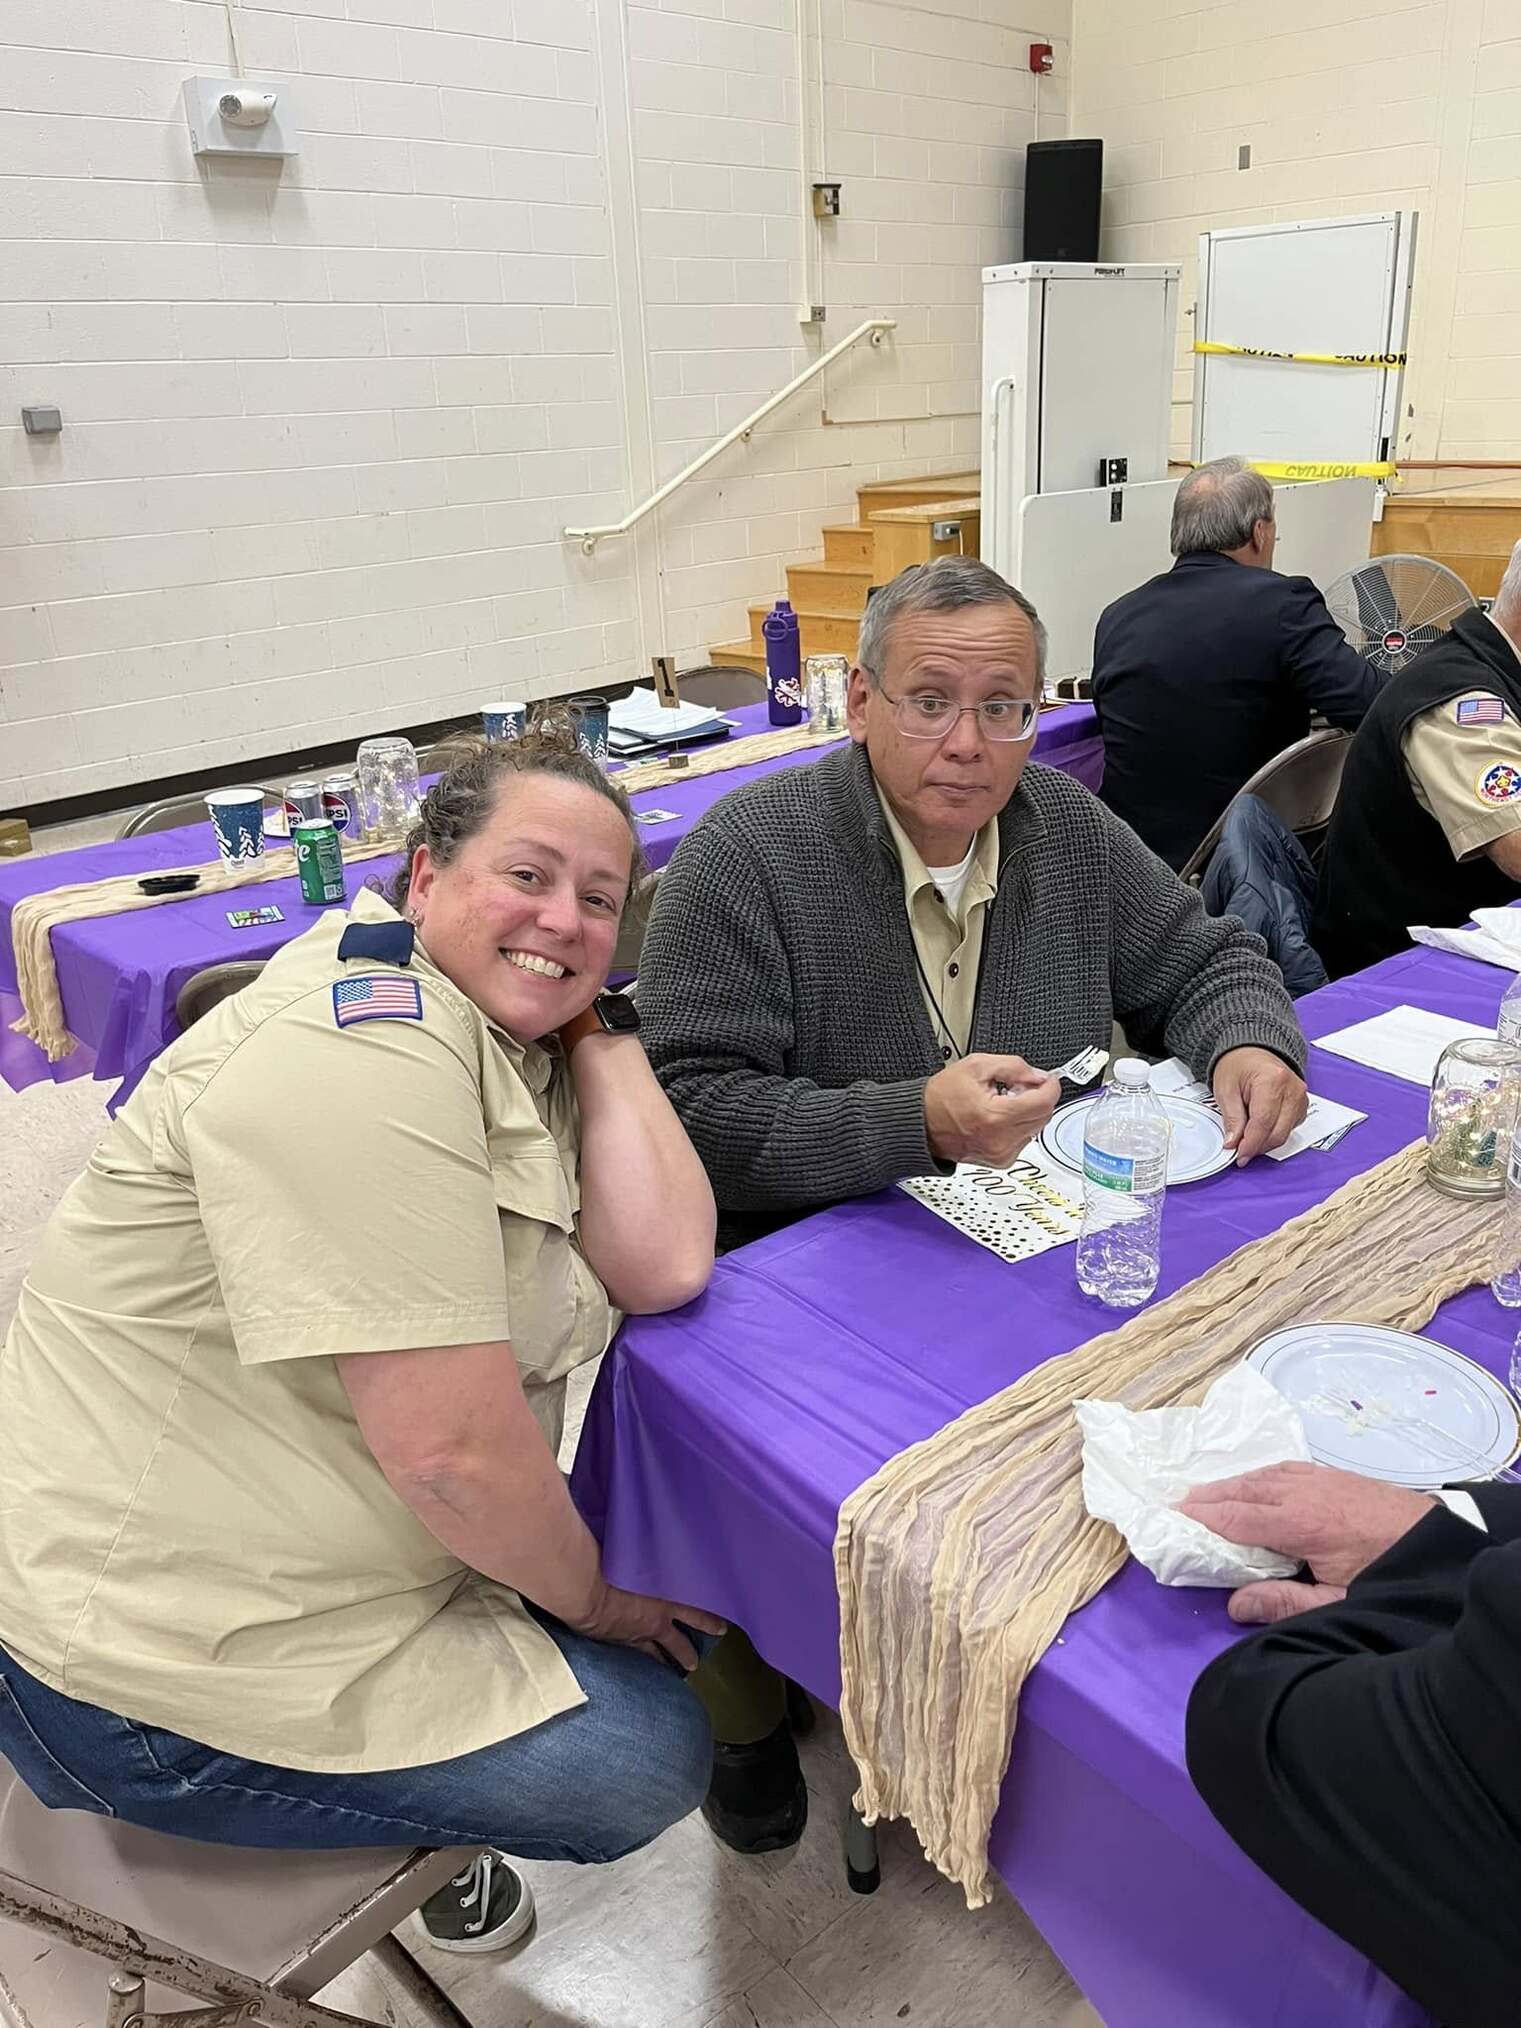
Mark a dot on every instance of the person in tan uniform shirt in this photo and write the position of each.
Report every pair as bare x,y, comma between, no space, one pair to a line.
1448,753
285,1554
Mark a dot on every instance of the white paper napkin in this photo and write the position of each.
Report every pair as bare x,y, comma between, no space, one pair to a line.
1497,940
1322,1126
1137,1464
1406,1041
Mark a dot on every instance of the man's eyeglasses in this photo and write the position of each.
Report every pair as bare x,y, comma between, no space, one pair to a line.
928,716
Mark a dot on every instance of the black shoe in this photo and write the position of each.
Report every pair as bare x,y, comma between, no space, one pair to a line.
756,1801
485,1908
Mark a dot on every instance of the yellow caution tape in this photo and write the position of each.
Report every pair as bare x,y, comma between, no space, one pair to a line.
1324,469
1386,361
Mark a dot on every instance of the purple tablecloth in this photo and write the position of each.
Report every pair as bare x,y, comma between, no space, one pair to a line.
721,1441
120,974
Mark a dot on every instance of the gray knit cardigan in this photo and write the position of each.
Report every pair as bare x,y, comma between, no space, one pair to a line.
781,1004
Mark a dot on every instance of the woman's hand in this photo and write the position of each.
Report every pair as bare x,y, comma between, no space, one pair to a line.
636,1620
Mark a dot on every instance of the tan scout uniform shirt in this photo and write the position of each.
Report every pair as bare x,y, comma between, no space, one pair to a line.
193,1532
949,946
1456,763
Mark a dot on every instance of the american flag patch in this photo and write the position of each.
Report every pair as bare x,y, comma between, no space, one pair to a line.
1481,711
379,997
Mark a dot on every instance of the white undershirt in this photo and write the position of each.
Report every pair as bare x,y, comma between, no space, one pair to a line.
950,881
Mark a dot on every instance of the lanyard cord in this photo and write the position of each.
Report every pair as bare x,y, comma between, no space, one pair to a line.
929,991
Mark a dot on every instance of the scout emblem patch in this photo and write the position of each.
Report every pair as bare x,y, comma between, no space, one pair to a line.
1480,711
377,998
1499,784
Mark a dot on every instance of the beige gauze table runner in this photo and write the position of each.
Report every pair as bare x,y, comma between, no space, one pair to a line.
36,916
959,1561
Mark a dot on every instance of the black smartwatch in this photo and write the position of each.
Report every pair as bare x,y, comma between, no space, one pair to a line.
608,1014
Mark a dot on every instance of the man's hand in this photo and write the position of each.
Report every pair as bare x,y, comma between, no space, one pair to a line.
968,1118
1337,1522
1261,1101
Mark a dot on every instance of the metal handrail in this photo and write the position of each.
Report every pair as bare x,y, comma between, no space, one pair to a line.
875,328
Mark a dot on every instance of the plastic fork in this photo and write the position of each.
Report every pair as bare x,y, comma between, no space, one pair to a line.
1438,1441
1082,1068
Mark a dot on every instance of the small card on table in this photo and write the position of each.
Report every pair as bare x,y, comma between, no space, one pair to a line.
254,918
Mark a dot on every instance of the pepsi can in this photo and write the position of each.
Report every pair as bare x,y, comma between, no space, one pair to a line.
340,801
303,801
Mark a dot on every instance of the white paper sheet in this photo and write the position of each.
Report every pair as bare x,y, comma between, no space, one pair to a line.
1406,1042
1324,1124
642,712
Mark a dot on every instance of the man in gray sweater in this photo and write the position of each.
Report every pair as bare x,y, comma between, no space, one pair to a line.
862,969
854,970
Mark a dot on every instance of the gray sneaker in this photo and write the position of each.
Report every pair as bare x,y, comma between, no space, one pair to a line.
485,1908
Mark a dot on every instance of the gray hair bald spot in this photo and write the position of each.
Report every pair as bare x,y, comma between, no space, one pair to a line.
1218,507
949,584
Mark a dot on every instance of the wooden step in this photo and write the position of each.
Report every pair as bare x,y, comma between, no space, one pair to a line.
740,655
823,632
829,587
915,492
848,542
904,535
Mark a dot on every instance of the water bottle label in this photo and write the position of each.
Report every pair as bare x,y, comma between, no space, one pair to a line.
1123,1173
1112,1172
1515,1164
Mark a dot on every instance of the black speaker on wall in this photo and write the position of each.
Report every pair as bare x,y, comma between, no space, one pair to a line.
1063,184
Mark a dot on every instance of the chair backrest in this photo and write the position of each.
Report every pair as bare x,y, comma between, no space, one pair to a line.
636,920
201,992
1299,786
174,811
722,685
168,815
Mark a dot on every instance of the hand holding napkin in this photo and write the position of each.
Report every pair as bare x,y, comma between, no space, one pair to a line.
1137,1465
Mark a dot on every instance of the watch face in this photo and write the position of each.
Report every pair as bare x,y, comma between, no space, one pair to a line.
618,1014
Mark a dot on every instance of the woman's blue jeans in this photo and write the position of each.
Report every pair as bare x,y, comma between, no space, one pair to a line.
589,1785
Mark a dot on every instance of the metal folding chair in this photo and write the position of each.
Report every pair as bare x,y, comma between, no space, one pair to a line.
201,992
126,1920
1299,785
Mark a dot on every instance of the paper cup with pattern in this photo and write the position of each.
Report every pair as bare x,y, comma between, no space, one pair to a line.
503,721
590,717
237,817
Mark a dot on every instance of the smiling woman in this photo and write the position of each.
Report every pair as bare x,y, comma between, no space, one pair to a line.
288,1558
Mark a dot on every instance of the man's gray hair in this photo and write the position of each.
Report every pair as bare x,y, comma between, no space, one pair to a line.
949,584
1218,506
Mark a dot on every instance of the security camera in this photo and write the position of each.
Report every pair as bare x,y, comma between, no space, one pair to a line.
248,108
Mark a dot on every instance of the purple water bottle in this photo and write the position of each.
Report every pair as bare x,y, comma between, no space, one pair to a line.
784,667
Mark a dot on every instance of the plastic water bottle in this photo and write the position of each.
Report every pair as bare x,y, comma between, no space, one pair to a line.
1119,1252
1506,1282
784,665
1508,1027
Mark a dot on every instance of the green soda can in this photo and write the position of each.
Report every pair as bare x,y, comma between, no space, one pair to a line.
319,859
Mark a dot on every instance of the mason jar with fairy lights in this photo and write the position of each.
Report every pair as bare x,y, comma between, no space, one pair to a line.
1472,1116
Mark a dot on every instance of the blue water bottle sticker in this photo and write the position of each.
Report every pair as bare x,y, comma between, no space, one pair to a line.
1112,1172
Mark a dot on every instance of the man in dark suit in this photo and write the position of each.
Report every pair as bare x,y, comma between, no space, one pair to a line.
1362,1748
1428,819
1205,673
